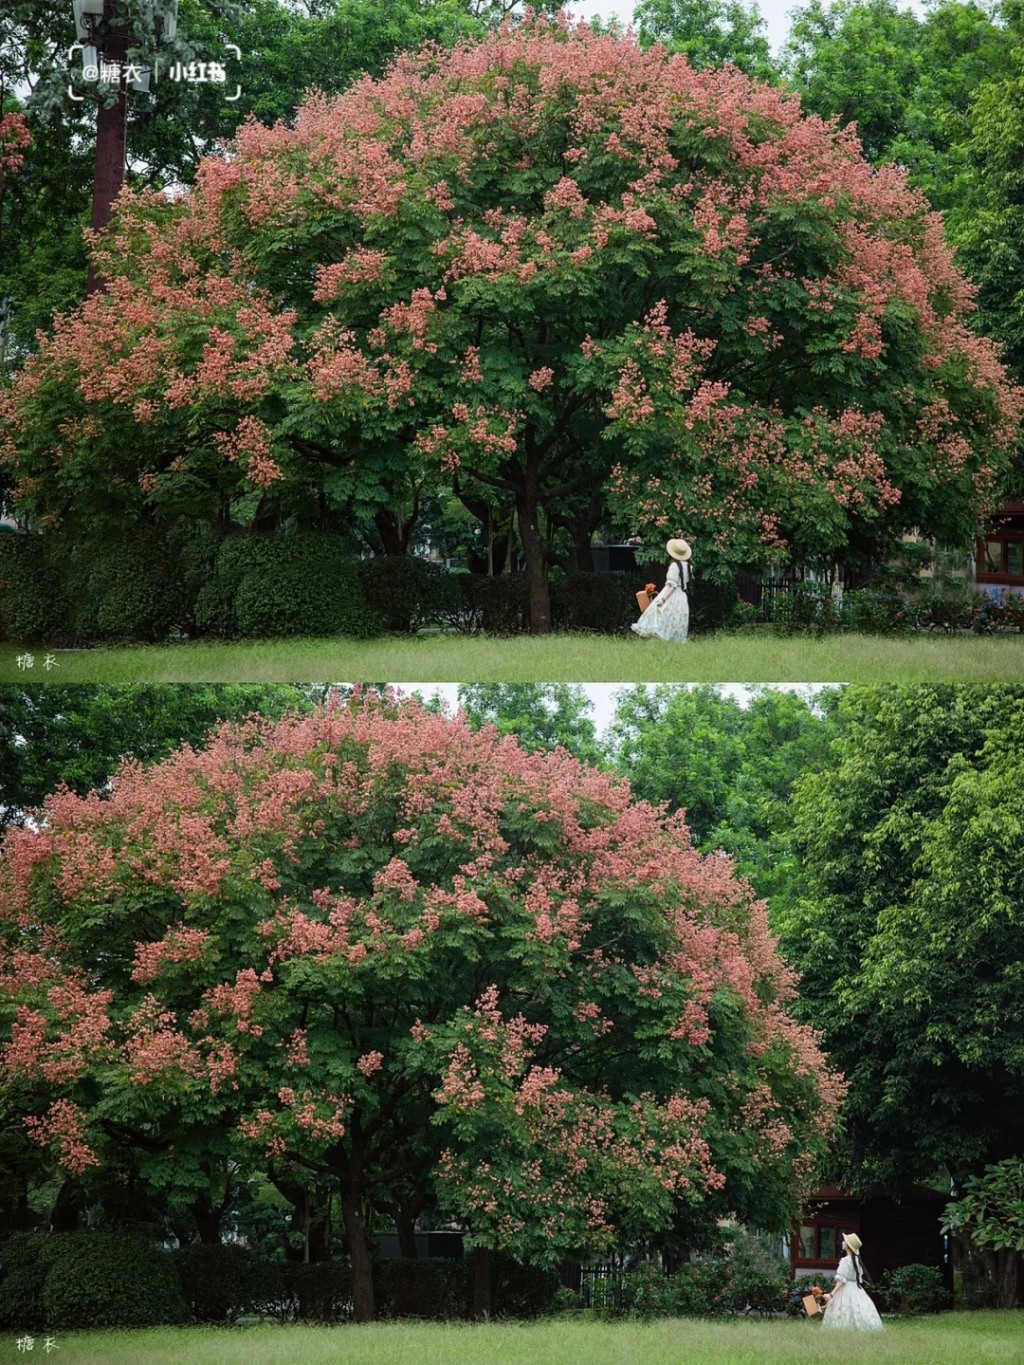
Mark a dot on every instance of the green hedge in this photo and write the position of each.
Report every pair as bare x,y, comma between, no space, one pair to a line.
604,603
65,1281
32,607
410,593
266,586
221,1283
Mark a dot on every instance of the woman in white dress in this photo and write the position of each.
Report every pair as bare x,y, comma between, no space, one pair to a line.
849,1304
668,616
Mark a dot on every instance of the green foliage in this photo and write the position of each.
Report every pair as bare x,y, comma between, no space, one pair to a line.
990,1210
872,612
949,606
758,1278
498,604
52,735
907,930
709,32
521,1291
320,1290
540,715
222,1282
713,603
410,593
703,1289
438,1290
21,1286
605,603
732,768
746,1278
63,1281
282,585
31,605
123,591
806,606
914,1289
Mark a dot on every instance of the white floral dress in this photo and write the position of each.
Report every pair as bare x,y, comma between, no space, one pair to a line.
849,1305
668,616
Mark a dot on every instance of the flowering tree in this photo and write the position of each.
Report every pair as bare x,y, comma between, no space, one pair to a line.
371,944
14,138
533,261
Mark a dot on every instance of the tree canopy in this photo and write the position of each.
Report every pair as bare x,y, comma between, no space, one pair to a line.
540,262
907,932
372,947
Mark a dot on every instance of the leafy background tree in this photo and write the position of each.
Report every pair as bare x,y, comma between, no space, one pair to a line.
907,932
75,736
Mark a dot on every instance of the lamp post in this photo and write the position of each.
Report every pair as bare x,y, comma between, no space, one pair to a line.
105,47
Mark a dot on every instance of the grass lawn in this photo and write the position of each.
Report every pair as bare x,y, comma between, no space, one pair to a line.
751,656
949,1339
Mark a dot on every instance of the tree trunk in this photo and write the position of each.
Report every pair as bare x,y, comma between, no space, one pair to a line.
363,1306
67,1208
536,566
207,1216
405,1222
394,533
481,1284
111,135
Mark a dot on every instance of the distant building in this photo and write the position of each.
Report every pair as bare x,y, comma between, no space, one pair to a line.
895,1232
1000,553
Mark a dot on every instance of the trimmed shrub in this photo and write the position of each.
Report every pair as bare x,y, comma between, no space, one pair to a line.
124,592
601,602
321,1291
914,1289
221,1283
410,593
499,604
32,607
521,1291
438,1290
89,1279
21,1287
712,604
280,585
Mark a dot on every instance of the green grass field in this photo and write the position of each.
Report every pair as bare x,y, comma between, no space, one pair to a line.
950,1339
752,656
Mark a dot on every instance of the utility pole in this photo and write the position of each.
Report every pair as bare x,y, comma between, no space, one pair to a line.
111,133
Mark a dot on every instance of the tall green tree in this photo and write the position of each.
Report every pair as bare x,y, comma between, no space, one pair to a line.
730,763
76,736
709,33
540,715
909,936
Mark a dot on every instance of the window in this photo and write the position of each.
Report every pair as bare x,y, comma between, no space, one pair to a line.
822,1240
1001,556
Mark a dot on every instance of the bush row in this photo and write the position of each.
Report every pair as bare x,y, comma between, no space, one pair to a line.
810,607
281,585
711,1288
62,1281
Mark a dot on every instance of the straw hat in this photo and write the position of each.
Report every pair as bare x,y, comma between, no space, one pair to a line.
853,1242
678,549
